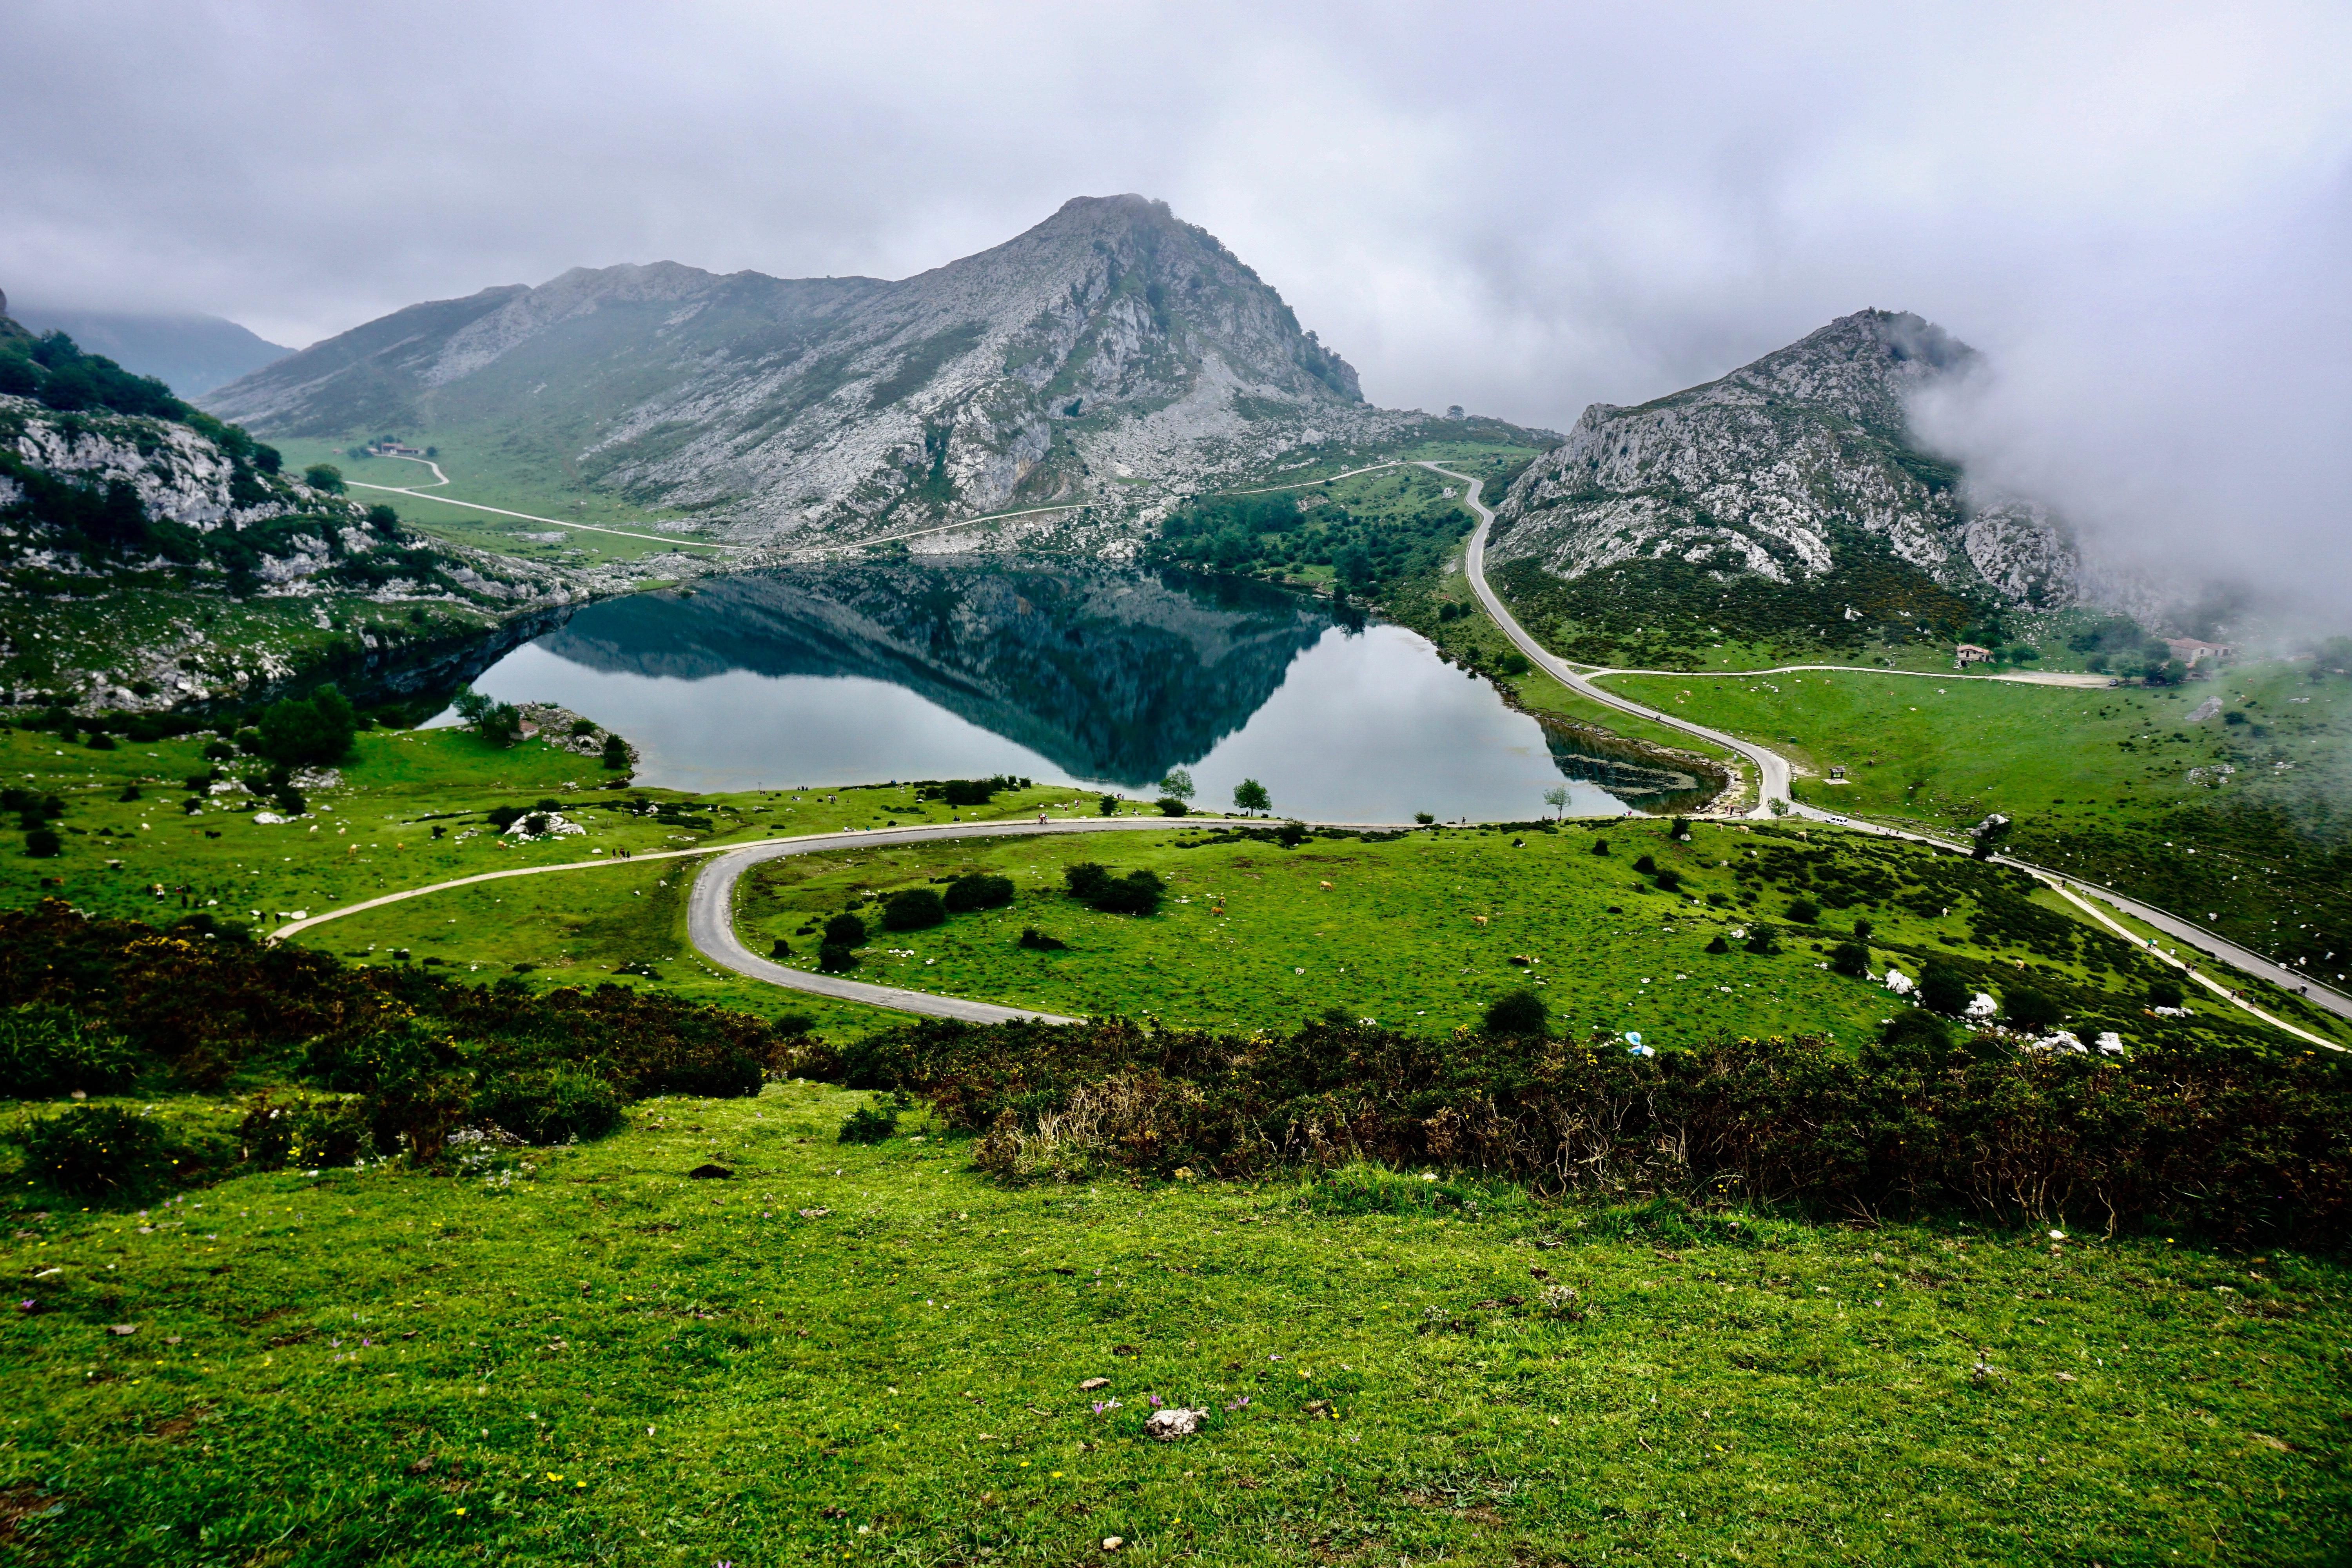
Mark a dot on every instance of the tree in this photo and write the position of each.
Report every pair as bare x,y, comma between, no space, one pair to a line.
1249,796
1556,797
501,723
324,477
916,909
1520,1014
1943,990
1177,784
2029,1009
1851,959
312,731
1109,805
617,753
385,520
845,931
979,891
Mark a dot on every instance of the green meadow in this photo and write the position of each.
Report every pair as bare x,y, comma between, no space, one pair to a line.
873,1354
2236,821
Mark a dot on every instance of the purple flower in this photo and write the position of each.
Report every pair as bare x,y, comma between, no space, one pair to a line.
1238,1404
1155,1401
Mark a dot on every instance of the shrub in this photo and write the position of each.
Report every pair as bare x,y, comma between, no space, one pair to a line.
873,1122
1031,937
1851,959
780,948
1517,1012
1760,941
1668,879
48,1051
98,1151
2029,1009
1107,806
43,843
1601,846
1719,944
617,753
1943,990
549,1105
1085,879
845,931
304,1131
1804,912
1136,893
915,909
99,741
1171,806
2164,994
979,892
834,958
1647,865
1916,1039
1290,835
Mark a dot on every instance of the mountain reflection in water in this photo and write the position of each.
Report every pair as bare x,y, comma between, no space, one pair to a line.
1077,674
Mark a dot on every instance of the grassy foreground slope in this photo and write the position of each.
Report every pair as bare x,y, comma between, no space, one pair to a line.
872,1354
2242,825
1422,931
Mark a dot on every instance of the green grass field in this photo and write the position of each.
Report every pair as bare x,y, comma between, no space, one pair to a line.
2238,826
1255,936
873,1354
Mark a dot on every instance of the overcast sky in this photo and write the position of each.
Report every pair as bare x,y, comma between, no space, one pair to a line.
2143,212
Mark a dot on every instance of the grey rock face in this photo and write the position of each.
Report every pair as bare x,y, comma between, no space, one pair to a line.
1111,343
1777,467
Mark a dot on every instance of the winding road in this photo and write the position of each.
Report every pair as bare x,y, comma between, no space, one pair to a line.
710,924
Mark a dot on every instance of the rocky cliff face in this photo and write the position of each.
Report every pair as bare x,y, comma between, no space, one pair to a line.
1111,349
1780,467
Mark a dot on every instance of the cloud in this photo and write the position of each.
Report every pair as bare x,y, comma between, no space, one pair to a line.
2133,209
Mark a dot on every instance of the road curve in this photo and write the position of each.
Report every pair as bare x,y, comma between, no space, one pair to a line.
1771,768
1776,772
710,909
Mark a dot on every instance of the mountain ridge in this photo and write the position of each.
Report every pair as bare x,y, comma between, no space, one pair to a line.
1111,343
1769,468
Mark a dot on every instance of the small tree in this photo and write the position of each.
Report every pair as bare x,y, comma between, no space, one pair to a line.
1556,797
1249,796
1804,912
1851,959
324,477
501,723
1520,1014
1177,784
2029,1009
845,931
309,732
385,520
617,753
1943,990
1109,805
916,909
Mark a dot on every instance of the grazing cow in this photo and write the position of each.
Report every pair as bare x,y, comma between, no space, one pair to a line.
1480,919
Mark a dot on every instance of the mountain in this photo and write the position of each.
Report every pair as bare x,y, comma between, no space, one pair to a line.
1794,469
190,354
1112,353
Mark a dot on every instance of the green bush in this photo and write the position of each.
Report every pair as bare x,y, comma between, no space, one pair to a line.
1085,879
1171,806
1136,893
1760,942
1944,989
1851,959
2029,1009
1517,1012
874,1122
315,730
1719,944
1668,879
43,843
1804,912
48,1051
1647,865
1601,846
834,958
2164,994
549,1105
1031,937
979,892
845,931
98,1151
305,1131
915,909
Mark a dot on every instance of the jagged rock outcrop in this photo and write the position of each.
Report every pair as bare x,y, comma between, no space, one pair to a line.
1110,353
1779,466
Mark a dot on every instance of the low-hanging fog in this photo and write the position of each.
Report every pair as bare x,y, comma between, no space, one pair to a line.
2140,213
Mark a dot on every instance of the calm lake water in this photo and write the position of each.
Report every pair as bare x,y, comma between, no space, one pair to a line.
1090,677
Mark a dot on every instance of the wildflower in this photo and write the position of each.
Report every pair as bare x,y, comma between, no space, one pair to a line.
1240,1403
1103,1405
1155,1401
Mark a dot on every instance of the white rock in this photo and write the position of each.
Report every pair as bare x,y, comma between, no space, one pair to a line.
1172,1423
1899,982
1982,1006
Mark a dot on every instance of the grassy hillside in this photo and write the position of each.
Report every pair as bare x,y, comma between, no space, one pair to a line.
2117,784
872,1353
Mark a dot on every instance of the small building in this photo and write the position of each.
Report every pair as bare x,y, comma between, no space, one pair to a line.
1968,653
1837,770
2188,650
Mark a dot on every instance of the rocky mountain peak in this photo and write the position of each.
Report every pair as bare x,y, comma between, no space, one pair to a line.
1784,469
1109,340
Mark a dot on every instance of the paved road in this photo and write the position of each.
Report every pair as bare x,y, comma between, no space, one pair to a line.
1776,772
1771,767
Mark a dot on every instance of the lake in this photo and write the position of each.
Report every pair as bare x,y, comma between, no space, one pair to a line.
1093,676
